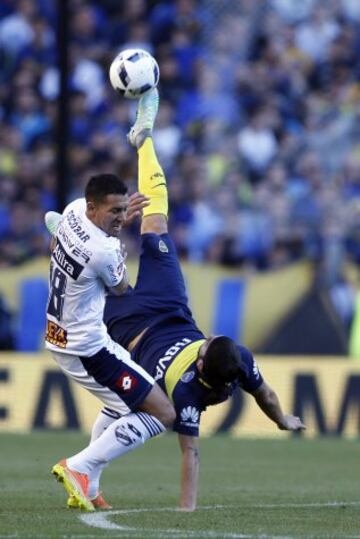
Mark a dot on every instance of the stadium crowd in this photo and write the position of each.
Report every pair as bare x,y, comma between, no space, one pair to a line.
258,130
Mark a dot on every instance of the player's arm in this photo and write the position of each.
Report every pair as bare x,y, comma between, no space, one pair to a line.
137,202
190,461
111,268
122,286
268,401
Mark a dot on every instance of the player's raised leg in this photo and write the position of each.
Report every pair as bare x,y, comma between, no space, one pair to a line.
152,181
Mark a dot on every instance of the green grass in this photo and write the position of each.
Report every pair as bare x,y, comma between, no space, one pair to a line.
262,487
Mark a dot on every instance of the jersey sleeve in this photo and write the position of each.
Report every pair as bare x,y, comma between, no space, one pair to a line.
188,412
252,380
111,265
78,205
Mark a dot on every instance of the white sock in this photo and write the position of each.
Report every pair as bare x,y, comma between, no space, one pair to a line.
105,418
123,435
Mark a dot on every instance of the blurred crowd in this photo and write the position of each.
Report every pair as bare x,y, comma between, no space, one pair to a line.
258,131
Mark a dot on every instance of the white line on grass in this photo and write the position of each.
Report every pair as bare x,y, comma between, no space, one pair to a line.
299,505
100,521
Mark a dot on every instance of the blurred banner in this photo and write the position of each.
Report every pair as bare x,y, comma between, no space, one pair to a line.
247,308
324,392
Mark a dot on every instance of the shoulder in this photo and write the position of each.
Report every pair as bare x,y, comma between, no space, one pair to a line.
251,379
109,261
109,248
78,206
188,391
111,244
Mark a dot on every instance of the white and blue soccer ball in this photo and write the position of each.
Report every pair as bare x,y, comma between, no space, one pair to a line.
133,73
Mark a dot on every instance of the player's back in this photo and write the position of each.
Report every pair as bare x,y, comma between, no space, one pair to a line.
83,261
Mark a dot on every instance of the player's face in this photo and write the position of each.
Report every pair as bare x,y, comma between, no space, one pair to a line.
109,214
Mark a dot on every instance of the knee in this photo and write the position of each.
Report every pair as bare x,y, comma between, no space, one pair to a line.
158,405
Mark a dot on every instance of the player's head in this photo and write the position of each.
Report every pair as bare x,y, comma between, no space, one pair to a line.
106,202
221,362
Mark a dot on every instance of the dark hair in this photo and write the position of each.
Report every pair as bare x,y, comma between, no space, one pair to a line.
101,185
223,363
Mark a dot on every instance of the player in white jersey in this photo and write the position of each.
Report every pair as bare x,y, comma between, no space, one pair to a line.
85,258
86,261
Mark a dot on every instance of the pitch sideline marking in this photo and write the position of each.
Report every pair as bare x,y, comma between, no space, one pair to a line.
100,521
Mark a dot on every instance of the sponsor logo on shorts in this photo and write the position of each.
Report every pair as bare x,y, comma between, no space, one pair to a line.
163,247
187,377
126,382
190,416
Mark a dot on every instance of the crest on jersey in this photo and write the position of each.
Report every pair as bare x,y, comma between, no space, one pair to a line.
163,247
187,377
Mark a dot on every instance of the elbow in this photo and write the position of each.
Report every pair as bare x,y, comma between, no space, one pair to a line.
271,396
266,397
120,289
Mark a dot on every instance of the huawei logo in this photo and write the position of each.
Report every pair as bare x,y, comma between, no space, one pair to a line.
190,415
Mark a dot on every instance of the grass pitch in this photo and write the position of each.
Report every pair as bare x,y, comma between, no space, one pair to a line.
248,489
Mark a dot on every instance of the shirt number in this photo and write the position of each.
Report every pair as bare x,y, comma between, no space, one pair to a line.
57,293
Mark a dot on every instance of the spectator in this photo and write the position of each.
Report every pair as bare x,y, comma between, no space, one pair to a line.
261,122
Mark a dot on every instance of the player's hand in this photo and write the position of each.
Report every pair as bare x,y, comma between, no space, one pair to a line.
137,202
291,422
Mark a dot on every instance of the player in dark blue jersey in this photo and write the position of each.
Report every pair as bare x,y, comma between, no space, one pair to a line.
153,321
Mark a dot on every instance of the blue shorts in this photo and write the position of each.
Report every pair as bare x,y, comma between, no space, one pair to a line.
110,374
159,292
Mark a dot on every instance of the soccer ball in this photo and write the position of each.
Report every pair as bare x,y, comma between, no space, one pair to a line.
133,73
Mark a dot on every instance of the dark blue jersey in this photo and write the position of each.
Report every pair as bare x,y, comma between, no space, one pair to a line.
159,292
168,351
169,347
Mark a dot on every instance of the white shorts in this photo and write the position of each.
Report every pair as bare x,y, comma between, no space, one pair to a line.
110,374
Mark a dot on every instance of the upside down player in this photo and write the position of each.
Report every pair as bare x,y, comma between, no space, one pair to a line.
153,321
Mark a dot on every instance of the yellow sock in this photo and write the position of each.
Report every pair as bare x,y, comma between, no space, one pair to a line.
152,181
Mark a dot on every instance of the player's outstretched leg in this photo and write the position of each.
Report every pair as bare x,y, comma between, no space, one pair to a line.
104,419
121,436
151,178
